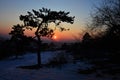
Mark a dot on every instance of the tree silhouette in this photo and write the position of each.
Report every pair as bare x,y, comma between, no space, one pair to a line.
17,35
17,31
86,37
108,15
40,20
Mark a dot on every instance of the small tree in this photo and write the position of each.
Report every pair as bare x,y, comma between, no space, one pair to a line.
40,20
17,32
17,35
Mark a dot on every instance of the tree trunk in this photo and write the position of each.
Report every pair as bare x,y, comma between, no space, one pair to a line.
39,52
39,45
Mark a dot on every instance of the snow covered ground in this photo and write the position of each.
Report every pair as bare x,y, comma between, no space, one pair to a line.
8,70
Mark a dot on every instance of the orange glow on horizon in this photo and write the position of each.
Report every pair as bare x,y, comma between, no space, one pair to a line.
5,30
59,36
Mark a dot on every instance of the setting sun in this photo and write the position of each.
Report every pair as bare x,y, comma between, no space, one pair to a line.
54,37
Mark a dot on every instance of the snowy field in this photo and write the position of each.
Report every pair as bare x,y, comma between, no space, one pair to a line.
8,70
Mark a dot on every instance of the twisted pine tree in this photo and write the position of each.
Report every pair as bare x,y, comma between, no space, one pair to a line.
40,20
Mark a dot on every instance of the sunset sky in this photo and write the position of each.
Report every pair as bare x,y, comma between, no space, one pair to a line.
10,10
